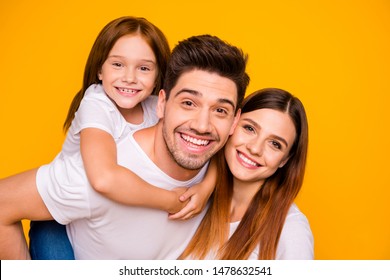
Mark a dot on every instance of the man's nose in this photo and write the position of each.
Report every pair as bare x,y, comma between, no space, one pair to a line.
202,122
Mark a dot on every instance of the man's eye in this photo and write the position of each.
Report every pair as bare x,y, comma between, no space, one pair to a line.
222,111
188,103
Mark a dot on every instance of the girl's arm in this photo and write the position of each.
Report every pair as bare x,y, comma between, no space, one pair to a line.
198,195
99,154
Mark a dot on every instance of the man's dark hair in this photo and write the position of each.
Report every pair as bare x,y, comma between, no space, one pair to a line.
211,54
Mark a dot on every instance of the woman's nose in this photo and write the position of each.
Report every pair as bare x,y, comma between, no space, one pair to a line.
255,146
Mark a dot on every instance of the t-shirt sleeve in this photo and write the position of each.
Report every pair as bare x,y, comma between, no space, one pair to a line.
98,113
296,240
66,197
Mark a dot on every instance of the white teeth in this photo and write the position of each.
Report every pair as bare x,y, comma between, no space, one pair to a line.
126,90
247,160
195,141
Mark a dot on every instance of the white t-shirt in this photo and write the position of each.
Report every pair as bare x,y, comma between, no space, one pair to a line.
99,228
296,239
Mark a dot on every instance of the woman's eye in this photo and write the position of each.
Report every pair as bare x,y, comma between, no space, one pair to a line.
249,128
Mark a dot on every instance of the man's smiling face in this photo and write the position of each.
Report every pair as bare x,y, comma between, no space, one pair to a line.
198,117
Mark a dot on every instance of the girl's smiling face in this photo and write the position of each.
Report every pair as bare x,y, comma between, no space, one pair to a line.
260,144
129,73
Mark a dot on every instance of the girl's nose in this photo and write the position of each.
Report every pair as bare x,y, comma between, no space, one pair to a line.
129,76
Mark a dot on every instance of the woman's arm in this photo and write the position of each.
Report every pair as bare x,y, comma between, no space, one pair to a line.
99,154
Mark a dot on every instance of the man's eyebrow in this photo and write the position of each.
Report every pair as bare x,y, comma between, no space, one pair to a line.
197,93
255,124
190,91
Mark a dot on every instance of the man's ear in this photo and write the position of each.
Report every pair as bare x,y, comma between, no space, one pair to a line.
161,103
235,121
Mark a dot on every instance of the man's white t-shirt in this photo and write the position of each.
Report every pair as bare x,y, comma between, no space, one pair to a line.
99,228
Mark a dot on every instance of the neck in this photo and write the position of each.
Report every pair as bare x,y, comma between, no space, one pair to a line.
134,115
243,193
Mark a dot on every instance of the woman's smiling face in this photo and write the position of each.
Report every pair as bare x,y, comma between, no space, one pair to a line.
260,144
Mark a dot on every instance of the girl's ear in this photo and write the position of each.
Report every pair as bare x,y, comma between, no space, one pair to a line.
161,103
100,75
283,162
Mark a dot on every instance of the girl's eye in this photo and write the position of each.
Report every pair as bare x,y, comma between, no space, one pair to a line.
276,145
117,64
144,68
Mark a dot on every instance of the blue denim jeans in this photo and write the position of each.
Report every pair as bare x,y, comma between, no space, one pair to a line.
49,241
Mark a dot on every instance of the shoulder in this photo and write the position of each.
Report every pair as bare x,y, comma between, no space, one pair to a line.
95,93
296,240
98,111
95,99
295,215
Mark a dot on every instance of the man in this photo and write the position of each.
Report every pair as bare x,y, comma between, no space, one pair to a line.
198,110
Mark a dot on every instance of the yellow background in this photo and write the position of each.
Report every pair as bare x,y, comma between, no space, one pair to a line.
334,55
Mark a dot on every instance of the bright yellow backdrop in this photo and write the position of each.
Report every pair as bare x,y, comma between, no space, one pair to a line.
334,55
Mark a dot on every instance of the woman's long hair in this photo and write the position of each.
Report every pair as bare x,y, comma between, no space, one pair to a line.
106,40
263,221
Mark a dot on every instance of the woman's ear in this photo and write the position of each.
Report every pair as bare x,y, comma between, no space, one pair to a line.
161,103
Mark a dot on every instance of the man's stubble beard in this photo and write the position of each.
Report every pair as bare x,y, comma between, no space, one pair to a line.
186,161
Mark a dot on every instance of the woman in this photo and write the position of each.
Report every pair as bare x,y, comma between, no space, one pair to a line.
253,215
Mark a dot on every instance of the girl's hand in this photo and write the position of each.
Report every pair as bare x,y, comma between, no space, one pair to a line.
196,201
177,204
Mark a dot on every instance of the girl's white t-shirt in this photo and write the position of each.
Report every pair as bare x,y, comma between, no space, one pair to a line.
98,227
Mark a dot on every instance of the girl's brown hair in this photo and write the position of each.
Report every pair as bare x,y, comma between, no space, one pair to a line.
263,221
105,42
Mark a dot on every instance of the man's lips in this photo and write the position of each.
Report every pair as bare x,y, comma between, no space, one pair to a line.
194,141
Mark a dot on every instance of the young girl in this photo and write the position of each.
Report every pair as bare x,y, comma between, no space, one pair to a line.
125,67
252,215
